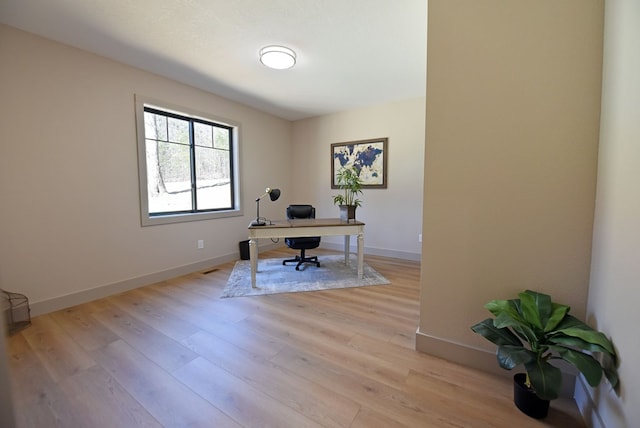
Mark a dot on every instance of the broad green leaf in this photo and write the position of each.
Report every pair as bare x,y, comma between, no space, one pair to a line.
500,307
546,379
536,307
612,376
558,314
511,356
609,363
509,316
590,336
517,305
569,321
506,319
589,367
575,342
528,335
519,331
499,336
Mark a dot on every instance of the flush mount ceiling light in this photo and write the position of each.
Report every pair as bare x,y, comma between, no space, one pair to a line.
277,57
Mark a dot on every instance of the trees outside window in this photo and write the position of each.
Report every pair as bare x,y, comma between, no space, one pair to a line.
188,165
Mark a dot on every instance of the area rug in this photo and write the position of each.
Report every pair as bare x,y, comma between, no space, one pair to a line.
273,277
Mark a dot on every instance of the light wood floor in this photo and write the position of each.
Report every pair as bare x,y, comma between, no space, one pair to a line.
174,354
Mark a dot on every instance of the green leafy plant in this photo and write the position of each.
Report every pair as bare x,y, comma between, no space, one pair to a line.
532,330
349,181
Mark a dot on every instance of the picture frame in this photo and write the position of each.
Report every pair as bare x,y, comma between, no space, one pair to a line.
368,157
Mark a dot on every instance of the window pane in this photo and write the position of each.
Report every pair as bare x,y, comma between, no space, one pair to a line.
203,134
178,130
155,126
168,177
213,181
222,138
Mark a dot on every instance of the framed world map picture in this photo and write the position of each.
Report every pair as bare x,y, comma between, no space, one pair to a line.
367,157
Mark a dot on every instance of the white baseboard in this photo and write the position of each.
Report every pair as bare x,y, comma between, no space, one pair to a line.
84,296
584,400
404,255
459,353
480,359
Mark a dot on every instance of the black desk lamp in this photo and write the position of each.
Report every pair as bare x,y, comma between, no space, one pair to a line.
274,194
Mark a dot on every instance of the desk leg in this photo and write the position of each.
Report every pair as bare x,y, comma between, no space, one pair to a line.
347,244
253,255
360,255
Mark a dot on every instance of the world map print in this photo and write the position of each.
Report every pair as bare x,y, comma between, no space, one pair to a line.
366,158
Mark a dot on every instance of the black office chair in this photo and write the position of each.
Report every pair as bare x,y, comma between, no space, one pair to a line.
303,243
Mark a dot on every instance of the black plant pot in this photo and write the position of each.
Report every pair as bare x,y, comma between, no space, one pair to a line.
526,400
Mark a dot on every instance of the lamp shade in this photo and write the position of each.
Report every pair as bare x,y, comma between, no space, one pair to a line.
277,57
274,194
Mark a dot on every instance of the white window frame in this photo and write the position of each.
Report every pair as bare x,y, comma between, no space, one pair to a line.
151,220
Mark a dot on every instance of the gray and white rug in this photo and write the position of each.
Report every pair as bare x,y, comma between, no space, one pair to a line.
273,277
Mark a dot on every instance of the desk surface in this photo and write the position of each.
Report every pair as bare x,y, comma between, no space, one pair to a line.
308,222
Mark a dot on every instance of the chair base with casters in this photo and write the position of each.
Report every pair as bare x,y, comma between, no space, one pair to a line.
302,258
302,243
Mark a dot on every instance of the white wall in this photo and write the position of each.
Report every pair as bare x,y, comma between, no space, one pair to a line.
393,216
614,293
70,219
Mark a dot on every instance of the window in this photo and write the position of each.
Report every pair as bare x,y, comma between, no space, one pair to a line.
187,165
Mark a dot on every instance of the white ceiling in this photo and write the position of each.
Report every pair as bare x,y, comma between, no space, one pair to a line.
350,53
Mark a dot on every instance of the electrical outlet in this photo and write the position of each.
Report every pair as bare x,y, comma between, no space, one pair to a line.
419,237
200,244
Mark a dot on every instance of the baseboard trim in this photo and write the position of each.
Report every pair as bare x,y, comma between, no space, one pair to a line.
584,400
404,255
84,296
459,353
480,359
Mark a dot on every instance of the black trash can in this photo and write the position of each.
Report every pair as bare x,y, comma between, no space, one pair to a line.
244,250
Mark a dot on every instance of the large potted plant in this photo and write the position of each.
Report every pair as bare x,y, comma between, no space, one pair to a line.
532,331
348,180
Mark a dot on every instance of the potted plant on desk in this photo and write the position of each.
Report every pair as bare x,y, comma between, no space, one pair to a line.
532,330
348,180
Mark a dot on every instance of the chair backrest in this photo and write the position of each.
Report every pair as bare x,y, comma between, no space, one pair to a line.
301,211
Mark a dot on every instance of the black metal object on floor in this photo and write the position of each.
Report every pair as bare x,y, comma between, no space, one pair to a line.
17,313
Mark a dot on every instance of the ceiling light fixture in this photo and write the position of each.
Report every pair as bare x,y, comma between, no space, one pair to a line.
277,57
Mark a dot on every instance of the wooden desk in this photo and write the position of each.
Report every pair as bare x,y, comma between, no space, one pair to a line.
307,227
